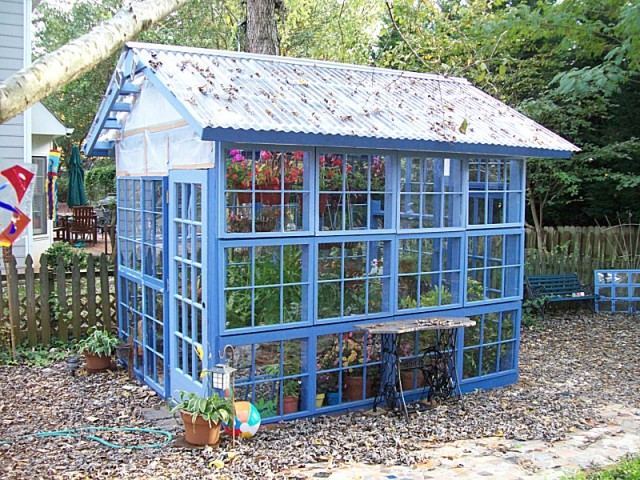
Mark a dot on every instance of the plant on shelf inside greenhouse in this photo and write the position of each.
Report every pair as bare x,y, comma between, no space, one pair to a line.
353,353
332,170
239,171
239,222
273,170
378,174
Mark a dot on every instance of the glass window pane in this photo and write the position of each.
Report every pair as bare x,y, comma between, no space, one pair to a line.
260,190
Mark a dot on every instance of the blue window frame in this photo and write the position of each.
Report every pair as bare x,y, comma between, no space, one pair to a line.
141,258
268,372
265,285
153,231
130,224
619,290
496,191
353,191
266,190
429,271
494,266
431,193
490,346
352,278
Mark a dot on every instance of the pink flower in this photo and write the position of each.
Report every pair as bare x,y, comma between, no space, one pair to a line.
265,155
234,152
238,157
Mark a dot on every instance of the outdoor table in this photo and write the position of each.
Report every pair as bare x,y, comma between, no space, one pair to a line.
438,363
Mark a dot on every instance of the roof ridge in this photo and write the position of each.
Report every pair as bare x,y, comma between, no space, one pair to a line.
298,61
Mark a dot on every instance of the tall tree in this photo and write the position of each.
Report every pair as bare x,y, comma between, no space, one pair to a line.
52,71
262,32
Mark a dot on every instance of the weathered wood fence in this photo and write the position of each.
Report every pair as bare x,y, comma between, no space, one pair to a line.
583,250
57,303
594,242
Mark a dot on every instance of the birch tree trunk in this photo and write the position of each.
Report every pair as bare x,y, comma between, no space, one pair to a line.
52,71
262,34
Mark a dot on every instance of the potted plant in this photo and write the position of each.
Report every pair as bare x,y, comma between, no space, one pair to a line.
352,355
202,417
97,349
291,391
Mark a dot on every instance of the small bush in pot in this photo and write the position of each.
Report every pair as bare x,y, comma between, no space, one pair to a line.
202,416
98,348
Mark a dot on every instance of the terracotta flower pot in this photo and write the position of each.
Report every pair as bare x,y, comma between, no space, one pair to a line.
243,197
322,205
97,363
353,388
200,433
290,405
407,380
271,194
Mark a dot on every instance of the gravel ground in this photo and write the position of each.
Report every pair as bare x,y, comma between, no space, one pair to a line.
570,367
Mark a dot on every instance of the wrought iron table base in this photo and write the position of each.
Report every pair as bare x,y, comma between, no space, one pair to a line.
437,365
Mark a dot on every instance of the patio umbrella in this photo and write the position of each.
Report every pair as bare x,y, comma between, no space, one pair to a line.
76,195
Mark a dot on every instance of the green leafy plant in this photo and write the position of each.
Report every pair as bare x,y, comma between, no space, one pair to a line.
432,297
213,409
291,388
475,290
37,356
628,468
267,408
531,308
99,342
100,181
65,251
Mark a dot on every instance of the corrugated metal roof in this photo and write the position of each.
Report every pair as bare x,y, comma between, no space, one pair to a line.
239,91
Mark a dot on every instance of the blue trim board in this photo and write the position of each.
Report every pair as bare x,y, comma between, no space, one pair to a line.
339,141
104,111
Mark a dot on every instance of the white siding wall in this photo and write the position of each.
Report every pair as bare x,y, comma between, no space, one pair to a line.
14,37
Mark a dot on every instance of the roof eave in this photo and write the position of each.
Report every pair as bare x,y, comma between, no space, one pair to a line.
342,141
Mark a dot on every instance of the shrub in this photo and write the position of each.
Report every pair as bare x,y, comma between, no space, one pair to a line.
66,252
100,181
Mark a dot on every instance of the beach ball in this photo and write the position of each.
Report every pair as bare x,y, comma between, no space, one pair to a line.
247,420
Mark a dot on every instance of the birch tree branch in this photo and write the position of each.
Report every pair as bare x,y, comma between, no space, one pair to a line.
54,70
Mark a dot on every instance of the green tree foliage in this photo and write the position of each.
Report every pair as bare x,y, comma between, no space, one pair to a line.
202,23
100,181
77,102
571,65
335,30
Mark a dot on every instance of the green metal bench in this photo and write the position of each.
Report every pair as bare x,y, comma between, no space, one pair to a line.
557,288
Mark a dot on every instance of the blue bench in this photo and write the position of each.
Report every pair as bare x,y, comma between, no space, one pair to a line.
557,288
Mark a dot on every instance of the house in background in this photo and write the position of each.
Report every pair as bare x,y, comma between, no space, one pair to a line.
28,137
273,204
45,128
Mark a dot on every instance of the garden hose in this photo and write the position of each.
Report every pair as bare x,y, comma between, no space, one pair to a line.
78,432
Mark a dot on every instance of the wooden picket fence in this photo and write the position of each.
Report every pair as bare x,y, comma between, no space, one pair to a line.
57,303
593,242
582,250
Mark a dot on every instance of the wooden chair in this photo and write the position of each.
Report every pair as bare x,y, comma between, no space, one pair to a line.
84,224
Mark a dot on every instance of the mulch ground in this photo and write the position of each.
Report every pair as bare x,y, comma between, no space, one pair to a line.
570,367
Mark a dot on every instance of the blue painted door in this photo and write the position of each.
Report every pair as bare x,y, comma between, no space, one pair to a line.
187,280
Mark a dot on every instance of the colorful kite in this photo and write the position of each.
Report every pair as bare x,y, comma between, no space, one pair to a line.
14,184
52,184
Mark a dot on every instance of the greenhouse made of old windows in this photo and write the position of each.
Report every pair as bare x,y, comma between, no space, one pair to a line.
272,204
